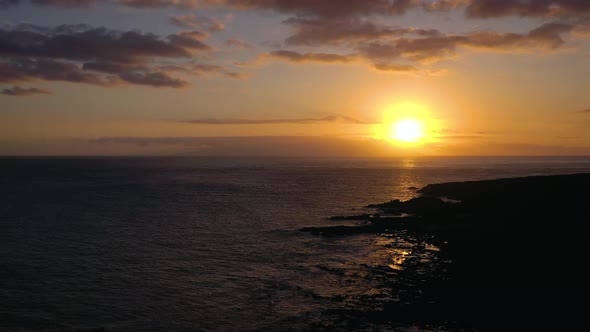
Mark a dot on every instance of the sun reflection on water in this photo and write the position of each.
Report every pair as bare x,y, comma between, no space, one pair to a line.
398,258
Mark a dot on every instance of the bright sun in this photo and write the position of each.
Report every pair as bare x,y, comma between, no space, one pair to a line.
407,130
408,125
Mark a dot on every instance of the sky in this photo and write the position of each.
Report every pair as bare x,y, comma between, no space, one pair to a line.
317,78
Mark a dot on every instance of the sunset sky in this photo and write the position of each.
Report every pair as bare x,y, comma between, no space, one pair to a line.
294,78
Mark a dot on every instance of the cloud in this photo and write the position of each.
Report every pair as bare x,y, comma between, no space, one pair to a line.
459,137
584,111
25,70
296,57
80,42
198,22
347,27
401,49
498,8
237,44
137,74
392,67
65,3
356,8
324,8
7,3
155,79
443,5
189,40
547,36
328,119
99,56
199,69
336,31
18,91
292,146
161,3
113,67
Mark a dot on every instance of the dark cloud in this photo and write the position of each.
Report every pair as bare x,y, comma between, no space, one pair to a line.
8,3
443,5
334,118
310,57
24,70
112,68
585,111
65,3
401,49
189,40
497,8
237,44
57,3
198,22
199,69
324,8
155,79
334,31
384,46
348,26
355,8
108,57
77,43
351,8
18,91
548,36
161,3
137,74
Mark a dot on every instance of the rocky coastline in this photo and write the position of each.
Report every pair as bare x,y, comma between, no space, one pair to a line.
516,250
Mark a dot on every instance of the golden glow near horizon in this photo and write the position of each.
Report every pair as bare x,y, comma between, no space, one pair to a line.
407,124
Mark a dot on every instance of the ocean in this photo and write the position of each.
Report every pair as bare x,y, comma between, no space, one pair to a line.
211,244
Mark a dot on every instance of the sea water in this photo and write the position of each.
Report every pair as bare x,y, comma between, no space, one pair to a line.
208,244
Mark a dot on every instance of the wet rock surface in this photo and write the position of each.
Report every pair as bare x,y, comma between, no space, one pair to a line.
511,254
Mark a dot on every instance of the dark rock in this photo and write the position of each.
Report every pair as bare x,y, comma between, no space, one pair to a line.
393,212
357,217
391,204
517,249
376,225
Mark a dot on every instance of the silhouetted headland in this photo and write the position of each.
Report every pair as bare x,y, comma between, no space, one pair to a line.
514,251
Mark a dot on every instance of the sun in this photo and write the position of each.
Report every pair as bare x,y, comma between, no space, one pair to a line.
408,125
407,130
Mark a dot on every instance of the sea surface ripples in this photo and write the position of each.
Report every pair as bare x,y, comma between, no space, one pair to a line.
210,244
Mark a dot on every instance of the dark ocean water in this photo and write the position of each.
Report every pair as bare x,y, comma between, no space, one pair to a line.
207,244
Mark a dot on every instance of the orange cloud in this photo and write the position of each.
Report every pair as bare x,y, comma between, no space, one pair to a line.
327,119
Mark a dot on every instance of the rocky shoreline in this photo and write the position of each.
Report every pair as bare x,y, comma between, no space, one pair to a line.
517,250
